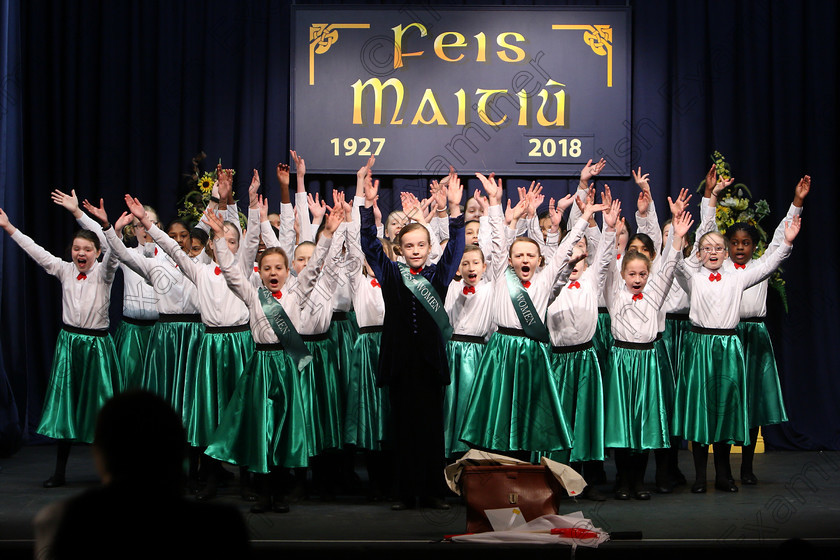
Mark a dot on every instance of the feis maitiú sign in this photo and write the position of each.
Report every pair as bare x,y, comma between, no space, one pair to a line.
511,90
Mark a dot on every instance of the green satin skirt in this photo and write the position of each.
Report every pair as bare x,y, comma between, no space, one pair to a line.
264,425
637,386
343,336
171,356
581,391
669,378
603,340
464,358
765,405
209,387
514,404
322,398
367,408
672,337
132,342
711,405
85,374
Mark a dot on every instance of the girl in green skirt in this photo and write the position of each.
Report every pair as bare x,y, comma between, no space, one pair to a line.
514,404
765,405
264,426
572,319
85,372
227,343
172,349
711,403
638,386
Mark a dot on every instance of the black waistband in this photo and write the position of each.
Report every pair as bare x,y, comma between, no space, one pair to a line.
515,332
340,316
676,316
658,337
269,347
511,332
603,310
704,330
753,320
139,322
88,332
179,318
225,330
467,338
633,345
315,337
365,330
570,349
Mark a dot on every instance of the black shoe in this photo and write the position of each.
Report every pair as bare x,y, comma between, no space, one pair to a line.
54,481
298,493
434,503
208,493
280,506
592,493
749,479
401,506
725,486
263,505
698,488
663,487
622,494
641,495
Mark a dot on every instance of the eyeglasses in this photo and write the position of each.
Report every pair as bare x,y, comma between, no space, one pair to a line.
716,249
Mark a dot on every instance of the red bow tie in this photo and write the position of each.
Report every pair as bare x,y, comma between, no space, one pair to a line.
574,284
415,270
618,257
741,266
155,251
469,290
375,284
638,296
714,277
81,276
218,271
277,295
527,284
256,269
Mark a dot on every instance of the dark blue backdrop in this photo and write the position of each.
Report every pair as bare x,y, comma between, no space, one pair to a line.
109,97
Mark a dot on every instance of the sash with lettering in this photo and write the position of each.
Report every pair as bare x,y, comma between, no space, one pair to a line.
284,329
525,310
429,299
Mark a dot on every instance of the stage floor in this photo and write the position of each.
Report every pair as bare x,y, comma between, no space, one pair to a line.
798,496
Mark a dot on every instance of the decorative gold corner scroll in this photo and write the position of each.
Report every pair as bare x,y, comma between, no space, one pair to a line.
321,38
599,39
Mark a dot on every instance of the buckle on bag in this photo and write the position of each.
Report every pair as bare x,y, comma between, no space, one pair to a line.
513,498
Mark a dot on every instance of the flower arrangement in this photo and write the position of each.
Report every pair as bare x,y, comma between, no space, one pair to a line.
201,189
735,204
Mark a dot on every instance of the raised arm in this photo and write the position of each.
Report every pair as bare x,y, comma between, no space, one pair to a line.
301,202
235,278
795,209
49,262
755,274
169,245
647,221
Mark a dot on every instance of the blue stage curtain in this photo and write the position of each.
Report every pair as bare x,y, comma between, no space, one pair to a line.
118,96
11,177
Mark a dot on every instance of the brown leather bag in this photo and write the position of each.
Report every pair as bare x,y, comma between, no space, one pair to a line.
531,488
